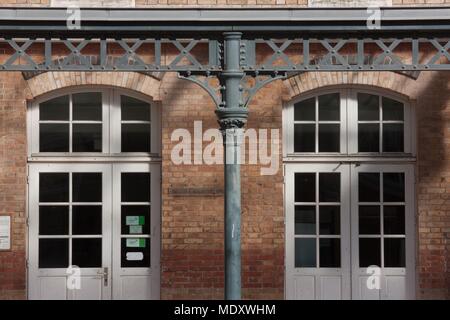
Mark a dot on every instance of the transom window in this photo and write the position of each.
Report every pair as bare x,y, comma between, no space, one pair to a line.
349,122
102,121
380,124
317,124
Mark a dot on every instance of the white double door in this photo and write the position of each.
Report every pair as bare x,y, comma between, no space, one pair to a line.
94,231
350,231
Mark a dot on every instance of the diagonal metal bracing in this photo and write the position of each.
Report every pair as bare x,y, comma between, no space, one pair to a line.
331,54
123,54
205,55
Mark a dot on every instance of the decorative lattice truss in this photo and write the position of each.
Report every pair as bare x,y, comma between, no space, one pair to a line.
150,55
394,54
206,55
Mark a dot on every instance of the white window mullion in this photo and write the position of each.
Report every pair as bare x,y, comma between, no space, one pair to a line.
70,123
70,218
316,133
352,122
380,125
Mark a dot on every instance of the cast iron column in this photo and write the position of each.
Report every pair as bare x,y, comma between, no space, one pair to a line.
232,118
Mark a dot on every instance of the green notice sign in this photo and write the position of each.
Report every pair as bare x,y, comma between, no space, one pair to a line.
135,220
136,243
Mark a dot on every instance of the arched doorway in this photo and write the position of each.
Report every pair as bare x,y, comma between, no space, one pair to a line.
94,195
349,200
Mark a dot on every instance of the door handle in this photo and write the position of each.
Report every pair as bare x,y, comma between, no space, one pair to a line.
104,274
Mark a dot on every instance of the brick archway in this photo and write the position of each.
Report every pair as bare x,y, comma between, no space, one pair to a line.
391,81
50,81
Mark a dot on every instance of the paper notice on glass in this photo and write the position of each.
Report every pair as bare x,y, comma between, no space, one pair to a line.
135,229
135,243
135,220
5,233
135,256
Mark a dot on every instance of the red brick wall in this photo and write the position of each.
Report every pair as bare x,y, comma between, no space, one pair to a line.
13,182
192,230
192,227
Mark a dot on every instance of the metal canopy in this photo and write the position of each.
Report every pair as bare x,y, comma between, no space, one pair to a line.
314,38
231,53
242,19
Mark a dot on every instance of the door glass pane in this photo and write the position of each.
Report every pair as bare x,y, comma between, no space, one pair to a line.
392,110
55,109
329,220
87,137
368,107
135,220
394,252
86,220
304,137
54,137
87,253
369,220
393,137
305,110
330,253
329,187
369,252
305,252
329,137
368,137
393,187
305,187
135,253
53,253
53,187
329,107
87,187
394,220
53,220
135,137
369,187
87,106
134,109
135,187
305,220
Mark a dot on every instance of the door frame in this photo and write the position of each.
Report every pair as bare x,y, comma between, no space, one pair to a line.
34,273
317,272
154,272
410,234
111,225
410,222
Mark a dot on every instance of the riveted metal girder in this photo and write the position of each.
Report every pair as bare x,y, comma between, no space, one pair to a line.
191,40
204,56
348,54
122,54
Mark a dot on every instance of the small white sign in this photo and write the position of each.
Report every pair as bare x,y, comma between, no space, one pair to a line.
135,256
5,233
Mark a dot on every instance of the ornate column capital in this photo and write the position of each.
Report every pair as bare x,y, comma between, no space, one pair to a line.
231,118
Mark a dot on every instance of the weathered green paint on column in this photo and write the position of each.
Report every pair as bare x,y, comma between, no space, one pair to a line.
232,118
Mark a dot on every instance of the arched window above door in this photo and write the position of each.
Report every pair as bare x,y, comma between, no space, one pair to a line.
349,122
93,121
